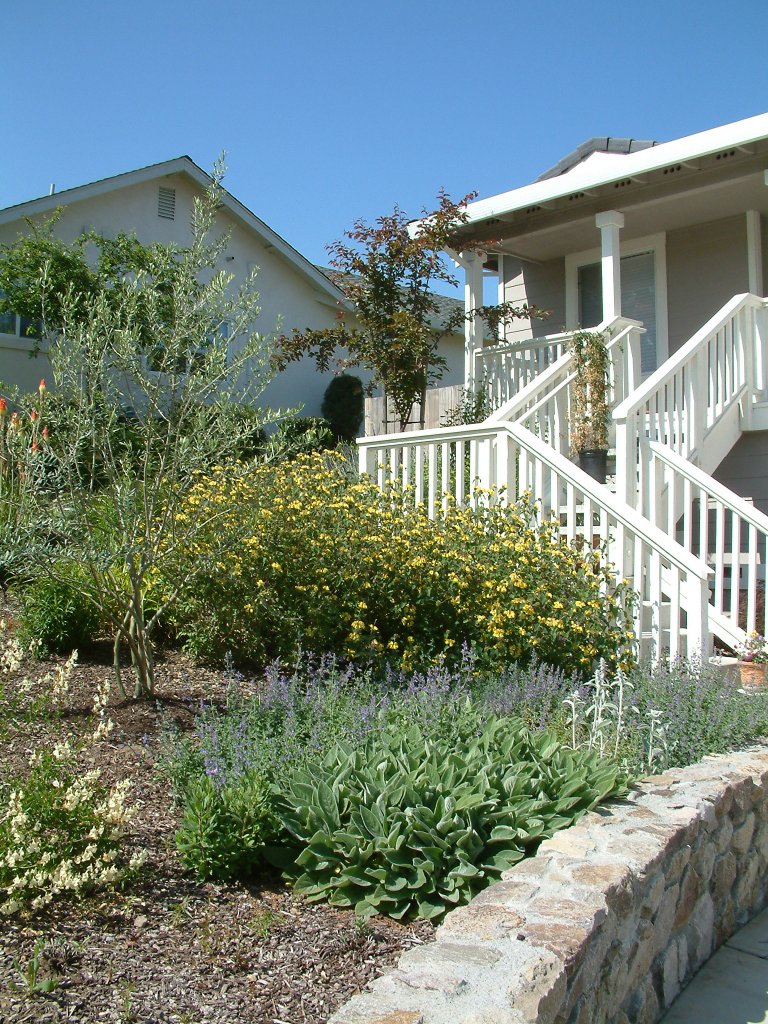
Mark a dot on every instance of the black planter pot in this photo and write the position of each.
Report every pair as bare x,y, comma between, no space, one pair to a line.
594,461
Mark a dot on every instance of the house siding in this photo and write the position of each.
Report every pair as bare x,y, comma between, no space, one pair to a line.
287,299
745,468
538,284
706,266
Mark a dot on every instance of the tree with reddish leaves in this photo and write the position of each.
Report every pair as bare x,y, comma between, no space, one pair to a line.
387,273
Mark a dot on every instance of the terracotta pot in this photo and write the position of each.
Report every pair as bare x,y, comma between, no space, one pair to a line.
752,675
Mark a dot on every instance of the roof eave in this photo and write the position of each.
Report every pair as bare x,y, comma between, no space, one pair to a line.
584,177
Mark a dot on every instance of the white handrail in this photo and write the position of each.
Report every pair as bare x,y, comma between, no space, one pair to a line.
523,345
721,528
670,366
698,390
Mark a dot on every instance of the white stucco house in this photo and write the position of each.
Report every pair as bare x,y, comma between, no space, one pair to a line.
664,247
155,204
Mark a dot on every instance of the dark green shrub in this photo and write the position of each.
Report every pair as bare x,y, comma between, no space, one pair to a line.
400,824
344,406
57,615
301,435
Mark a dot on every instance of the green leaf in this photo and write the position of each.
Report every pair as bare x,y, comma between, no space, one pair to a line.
326,801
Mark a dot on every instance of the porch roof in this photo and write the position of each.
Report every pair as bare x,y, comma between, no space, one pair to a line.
710,174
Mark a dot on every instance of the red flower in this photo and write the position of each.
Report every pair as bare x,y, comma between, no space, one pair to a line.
41,385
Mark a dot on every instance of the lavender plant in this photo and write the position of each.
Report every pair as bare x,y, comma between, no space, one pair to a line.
703,709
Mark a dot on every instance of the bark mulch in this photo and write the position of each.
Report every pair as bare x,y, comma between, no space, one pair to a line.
167,948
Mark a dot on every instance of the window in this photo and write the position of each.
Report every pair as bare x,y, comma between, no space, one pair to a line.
638,299
20,326
643,293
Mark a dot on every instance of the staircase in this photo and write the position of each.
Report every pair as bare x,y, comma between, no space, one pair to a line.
694,551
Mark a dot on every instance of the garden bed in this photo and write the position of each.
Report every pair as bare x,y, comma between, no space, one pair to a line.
168,949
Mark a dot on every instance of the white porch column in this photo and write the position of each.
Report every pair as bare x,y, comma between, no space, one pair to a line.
609,223
473,325
754,252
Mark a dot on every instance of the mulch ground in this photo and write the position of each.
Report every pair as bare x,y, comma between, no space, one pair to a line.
169,949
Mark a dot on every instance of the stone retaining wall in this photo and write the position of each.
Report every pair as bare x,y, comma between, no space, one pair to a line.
608,921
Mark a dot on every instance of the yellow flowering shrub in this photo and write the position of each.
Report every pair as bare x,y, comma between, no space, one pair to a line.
331,564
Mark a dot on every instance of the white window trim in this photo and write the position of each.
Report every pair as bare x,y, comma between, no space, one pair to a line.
657,244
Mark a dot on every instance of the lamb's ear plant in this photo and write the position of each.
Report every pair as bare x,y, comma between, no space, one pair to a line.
406,825
607,722
147,363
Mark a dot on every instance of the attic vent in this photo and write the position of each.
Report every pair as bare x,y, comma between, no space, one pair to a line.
576,195
166,203
726,154
533,209
623,184
673,170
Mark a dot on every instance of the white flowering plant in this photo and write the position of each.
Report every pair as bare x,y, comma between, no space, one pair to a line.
23,698
61,832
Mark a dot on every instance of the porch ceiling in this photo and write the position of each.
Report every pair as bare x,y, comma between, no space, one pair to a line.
688,195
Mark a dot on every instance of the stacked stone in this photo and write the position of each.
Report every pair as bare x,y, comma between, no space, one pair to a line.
608,921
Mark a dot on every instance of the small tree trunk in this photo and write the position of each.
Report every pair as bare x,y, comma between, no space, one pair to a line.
119,635
142,660
423,406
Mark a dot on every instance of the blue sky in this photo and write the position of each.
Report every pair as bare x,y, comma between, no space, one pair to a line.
335,110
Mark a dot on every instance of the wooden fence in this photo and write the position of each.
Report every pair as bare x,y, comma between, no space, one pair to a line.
440,402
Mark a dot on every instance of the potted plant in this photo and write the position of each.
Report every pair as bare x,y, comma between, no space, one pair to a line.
589,403
753,658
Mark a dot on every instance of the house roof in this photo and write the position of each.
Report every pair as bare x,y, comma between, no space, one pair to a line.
590,170
186,166
597,144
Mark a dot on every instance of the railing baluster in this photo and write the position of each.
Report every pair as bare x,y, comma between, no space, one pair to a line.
418,481
445,475
460,491
654,601
674,612
735,567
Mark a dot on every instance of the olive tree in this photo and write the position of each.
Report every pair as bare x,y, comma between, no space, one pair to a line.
149,359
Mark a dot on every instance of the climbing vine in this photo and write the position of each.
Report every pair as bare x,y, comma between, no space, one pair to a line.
589,401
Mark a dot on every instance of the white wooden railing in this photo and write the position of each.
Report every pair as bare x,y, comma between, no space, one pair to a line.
511,367
465,463
543,406
506,368
719,527
694,402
